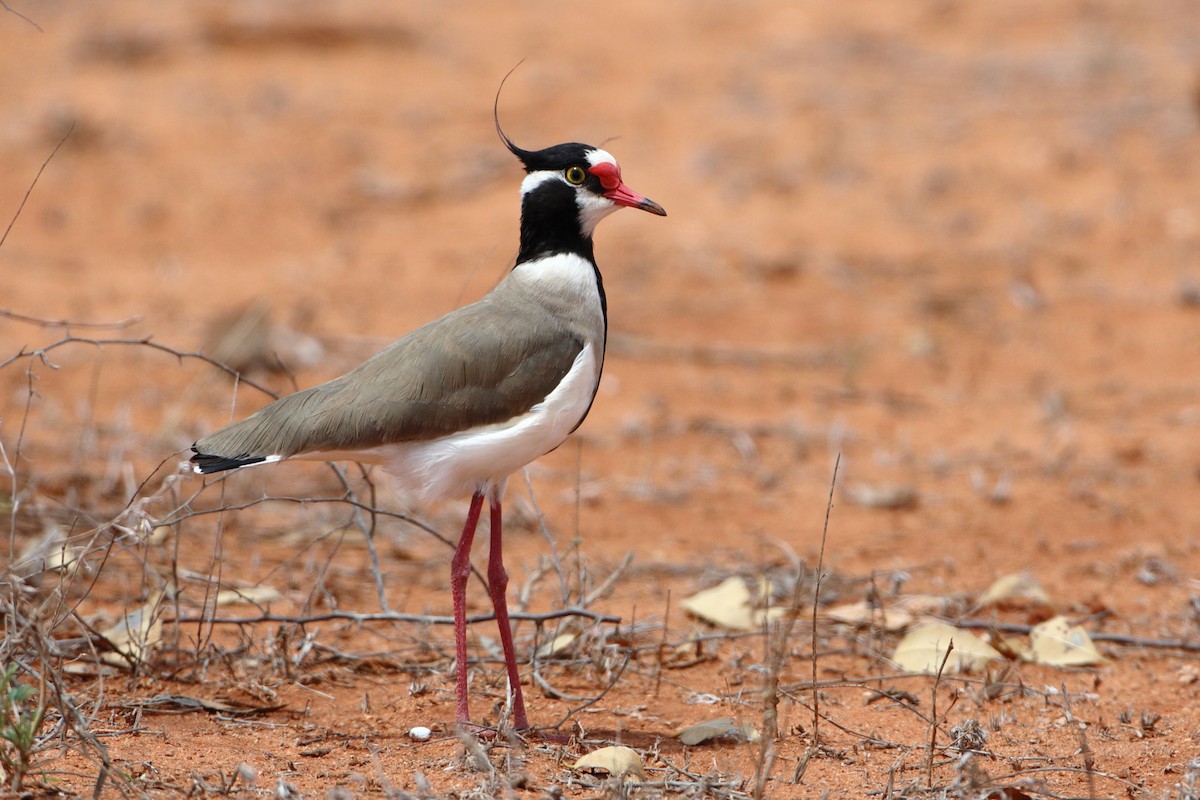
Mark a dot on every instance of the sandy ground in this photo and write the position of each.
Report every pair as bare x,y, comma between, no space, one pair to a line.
954,243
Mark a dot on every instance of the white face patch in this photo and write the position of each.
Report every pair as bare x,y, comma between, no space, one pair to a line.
592,209
536,179
598,156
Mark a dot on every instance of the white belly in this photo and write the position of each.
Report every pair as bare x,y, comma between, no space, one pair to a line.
475,459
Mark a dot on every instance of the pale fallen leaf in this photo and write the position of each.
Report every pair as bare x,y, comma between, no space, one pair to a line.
1016,586
921,603
729,605
896,613
719,728
135,634
924,648
50,552
616,760
248,340
863,614
556,645
1058,643
882,495
64,559
701,699
159,535
257,595
89,668
688,653
1013,648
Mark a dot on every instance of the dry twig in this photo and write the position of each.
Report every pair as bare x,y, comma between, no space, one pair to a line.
777,650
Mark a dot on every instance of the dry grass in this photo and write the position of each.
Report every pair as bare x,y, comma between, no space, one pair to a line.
132,604
72,574
104,594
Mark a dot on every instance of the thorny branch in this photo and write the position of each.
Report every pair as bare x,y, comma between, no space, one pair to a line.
66,323
40,354
395,616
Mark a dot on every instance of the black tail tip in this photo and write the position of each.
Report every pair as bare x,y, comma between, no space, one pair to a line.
206,463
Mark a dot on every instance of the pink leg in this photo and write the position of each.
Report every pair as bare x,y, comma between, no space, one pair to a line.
460,570
497,587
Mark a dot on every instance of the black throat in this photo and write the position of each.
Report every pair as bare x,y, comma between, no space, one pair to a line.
550,224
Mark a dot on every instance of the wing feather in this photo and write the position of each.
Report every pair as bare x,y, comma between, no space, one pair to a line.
479,365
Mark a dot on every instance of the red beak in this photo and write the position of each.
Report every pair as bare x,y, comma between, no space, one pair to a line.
622,195
616,190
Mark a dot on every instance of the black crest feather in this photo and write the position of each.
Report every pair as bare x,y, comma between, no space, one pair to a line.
524,155
558,156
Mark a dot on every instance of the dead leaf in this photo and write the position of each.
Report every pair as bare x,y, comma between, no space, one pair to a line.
88,668
50,552
616,761
688,653
1059,644
159,535
882,495
177,703
1013,648
921,603
719,728
256,595
895,614
863,614
924,648
729,605
135,634
64,559
556,645
247,340
1016,586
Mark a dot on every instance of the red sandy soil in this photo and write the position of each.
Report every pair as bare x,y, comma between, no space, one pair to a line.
953,242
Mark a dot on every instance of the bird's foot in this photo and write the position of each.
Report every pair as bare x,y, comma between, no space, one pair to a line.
485,733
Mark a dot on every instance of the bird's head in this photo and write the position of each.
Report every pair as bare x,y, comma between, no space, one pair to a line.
588,175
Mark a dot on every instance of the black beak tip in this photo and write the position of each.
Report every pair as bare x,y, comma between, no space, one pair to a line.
652,207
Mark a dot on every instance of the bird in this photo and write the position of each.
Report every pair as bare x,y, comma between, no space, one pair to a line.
459,404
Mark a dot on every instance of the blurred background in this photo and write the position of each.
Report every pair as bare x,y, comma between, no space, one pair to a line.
954,242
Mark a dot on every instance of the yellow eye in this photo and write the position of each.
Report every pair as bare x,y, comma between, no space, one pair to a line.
575,175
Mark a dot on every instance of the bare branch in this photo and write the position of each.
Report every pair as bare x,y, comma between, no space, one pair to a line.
395,616
13,11
68,324
40,354
41,169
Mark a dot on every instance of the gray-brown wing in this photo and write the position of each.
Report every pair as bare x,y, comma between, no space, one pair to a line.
472,367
